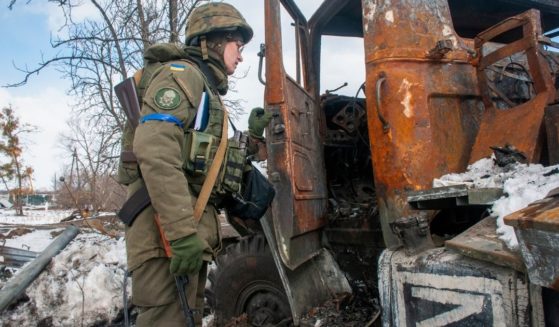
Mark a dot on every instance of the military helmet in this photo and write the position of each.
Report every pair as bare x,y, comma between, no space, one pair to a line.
216,17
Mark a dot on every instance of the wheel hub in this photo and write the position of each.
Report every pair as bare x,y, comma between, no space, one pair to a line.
264,305
264,308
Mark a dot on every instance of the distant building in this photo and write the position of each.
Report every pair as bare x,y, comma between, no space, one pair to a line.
36,199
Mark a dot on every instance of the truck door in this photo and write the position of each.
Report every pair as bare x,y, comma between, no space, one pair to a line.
295,155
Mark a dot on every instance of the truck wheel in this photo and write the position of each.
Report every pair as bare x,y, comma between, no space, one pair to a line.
246,281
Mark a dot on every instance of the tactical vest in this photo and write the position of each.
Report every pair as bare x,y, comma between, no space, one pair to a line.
201,145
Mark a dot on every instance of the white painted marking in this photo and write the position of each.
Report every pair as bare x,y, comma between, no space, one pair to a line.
448,32
406,102
479,285
389,16
369,10
468,304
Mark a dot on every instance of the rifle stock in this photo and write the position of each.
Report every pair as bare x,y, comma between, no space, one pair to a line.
128,98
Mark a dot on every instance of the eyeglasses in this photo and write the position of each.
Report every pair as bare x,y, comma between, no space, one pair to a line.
240,46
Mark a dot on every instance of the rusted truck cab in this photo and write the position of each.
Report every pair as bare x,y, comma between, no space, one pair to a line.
354,211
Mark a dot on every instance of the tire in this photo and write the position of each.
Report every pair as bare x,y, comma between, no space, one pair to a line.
246,281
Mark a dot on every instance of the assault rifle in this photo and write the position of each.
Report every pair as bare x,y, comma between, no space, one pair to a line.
126,93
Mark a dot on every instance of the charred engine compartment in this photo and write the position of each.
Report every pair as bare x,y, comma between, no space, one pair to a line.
353,233
352,199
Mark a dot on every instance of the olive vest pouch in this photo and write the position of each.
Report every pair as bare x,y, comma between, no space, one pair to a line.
231,175
200,156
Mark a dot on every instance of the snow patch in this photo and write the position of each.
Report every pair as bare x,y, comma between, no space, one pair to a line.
522,184
36,241
33,217
82,285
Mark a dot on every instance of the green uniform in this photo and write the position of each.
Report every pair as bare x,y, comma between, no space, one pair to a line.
162,148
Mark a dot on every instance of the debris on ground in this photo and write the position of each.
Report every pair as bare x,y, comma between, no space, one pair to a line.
359,311
508,155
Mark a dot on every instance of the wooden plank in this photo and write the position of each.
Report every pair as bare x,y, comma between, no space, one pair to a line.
481,242
541,215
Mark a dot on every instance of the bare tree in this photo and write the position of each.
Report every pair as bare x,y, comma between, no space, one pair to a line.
95,54
92,152
14,170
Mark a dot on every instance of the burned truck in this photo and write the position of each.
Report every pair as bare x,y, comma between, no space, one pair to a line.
356,217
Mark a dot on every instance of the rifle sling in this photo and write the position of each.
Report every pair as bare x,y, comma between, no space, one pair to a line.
207,72
209,182
134,206
128,157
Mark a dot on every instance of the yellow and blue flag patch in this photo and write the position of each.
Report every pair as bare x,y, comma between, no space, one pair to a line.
177,67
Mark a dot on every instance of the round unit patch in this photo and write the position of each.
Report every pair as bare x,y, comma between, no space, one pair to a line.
167,98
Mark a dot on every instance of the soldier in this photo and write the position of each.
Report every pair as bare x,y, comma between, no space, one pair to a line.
180,132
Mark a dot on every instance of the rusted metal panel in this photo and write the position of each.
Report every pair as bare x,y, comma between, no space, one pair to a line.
296,158
423,111
551,118
537,230
275,75
295,152
495,129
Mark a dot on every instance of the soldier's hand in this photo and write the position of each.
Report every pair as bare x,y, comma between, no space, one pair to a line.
187,255
257,121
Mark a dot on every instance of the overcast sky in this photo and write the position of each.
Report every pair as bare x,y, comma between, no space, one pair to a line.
43,102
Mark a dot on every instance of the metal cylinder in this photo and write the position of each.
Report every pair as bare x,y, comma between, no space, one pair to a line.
17,284
423,116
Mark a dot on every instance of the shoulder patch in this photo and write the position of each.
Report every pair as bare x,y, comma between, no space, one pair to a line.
177,67
167,98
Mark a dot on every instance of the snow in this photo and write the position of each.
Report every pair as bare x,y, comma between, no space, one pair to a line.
35,241
83,284
34,217
522,184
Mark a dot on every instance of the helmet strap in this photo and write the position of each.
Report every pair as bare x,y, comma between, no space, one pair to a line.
204,48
